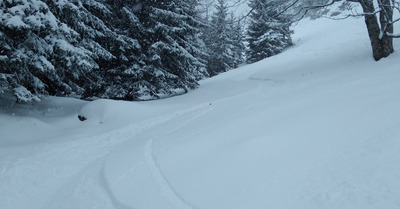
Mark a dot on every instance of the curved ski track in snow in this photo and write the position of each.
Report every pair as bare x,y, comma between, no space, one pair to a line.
166,189
142,161
79,162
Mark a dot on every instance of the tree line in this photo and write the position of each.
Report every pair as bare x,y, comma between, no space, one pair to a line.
126,50
141,50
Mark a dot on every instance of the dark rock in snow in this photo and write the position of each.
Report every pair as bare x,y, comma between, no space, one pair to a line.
82,118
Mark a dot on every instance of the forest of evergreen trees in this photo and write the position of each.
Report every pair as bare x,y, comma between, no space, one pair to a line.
128,50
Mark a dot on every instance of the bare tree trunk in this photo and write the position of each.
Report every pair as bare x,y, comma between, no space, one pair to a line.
386,18
382,45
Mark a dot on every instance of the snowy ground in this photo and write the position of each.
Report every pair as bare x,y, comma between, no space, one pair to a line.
317,126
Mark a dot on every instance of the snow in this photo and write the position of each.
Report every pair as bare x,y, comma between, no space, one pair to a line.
314,127
65,46
44,64
16,22
24,95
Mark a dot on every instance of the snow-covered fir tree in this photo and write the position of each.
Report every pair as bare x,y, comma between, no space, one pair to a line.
237,35
116,49
172,47
99,48
110,30
196,43
219,42
40,55
268,33
123,77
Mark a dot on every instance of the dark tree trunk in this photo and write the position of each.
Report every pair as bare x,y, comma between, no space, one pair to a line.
386,18
382,45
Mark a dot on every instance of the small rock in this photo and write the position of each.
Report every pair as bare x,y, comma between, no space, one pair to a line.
82,118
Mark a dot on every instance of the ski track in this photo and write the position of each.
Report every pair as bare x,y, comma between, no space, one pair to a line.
69,159
79,161
166,189
51,169
246,95
198,115
190,114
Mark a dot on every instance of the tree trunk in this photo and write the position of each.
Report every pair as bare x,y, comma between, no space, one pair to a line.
386,18
382,45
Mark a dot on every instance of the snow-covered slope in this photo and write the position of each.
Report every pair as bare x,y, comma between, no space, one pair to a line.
317,126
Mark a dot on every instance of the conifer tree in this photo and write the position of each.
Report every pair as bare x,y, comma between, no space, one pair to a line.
41,54
171,46
115,49
268,33
124,75
220,44
236,34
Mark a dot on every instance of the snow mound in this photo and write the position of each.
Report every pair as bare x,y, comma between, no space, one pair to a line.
45,119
